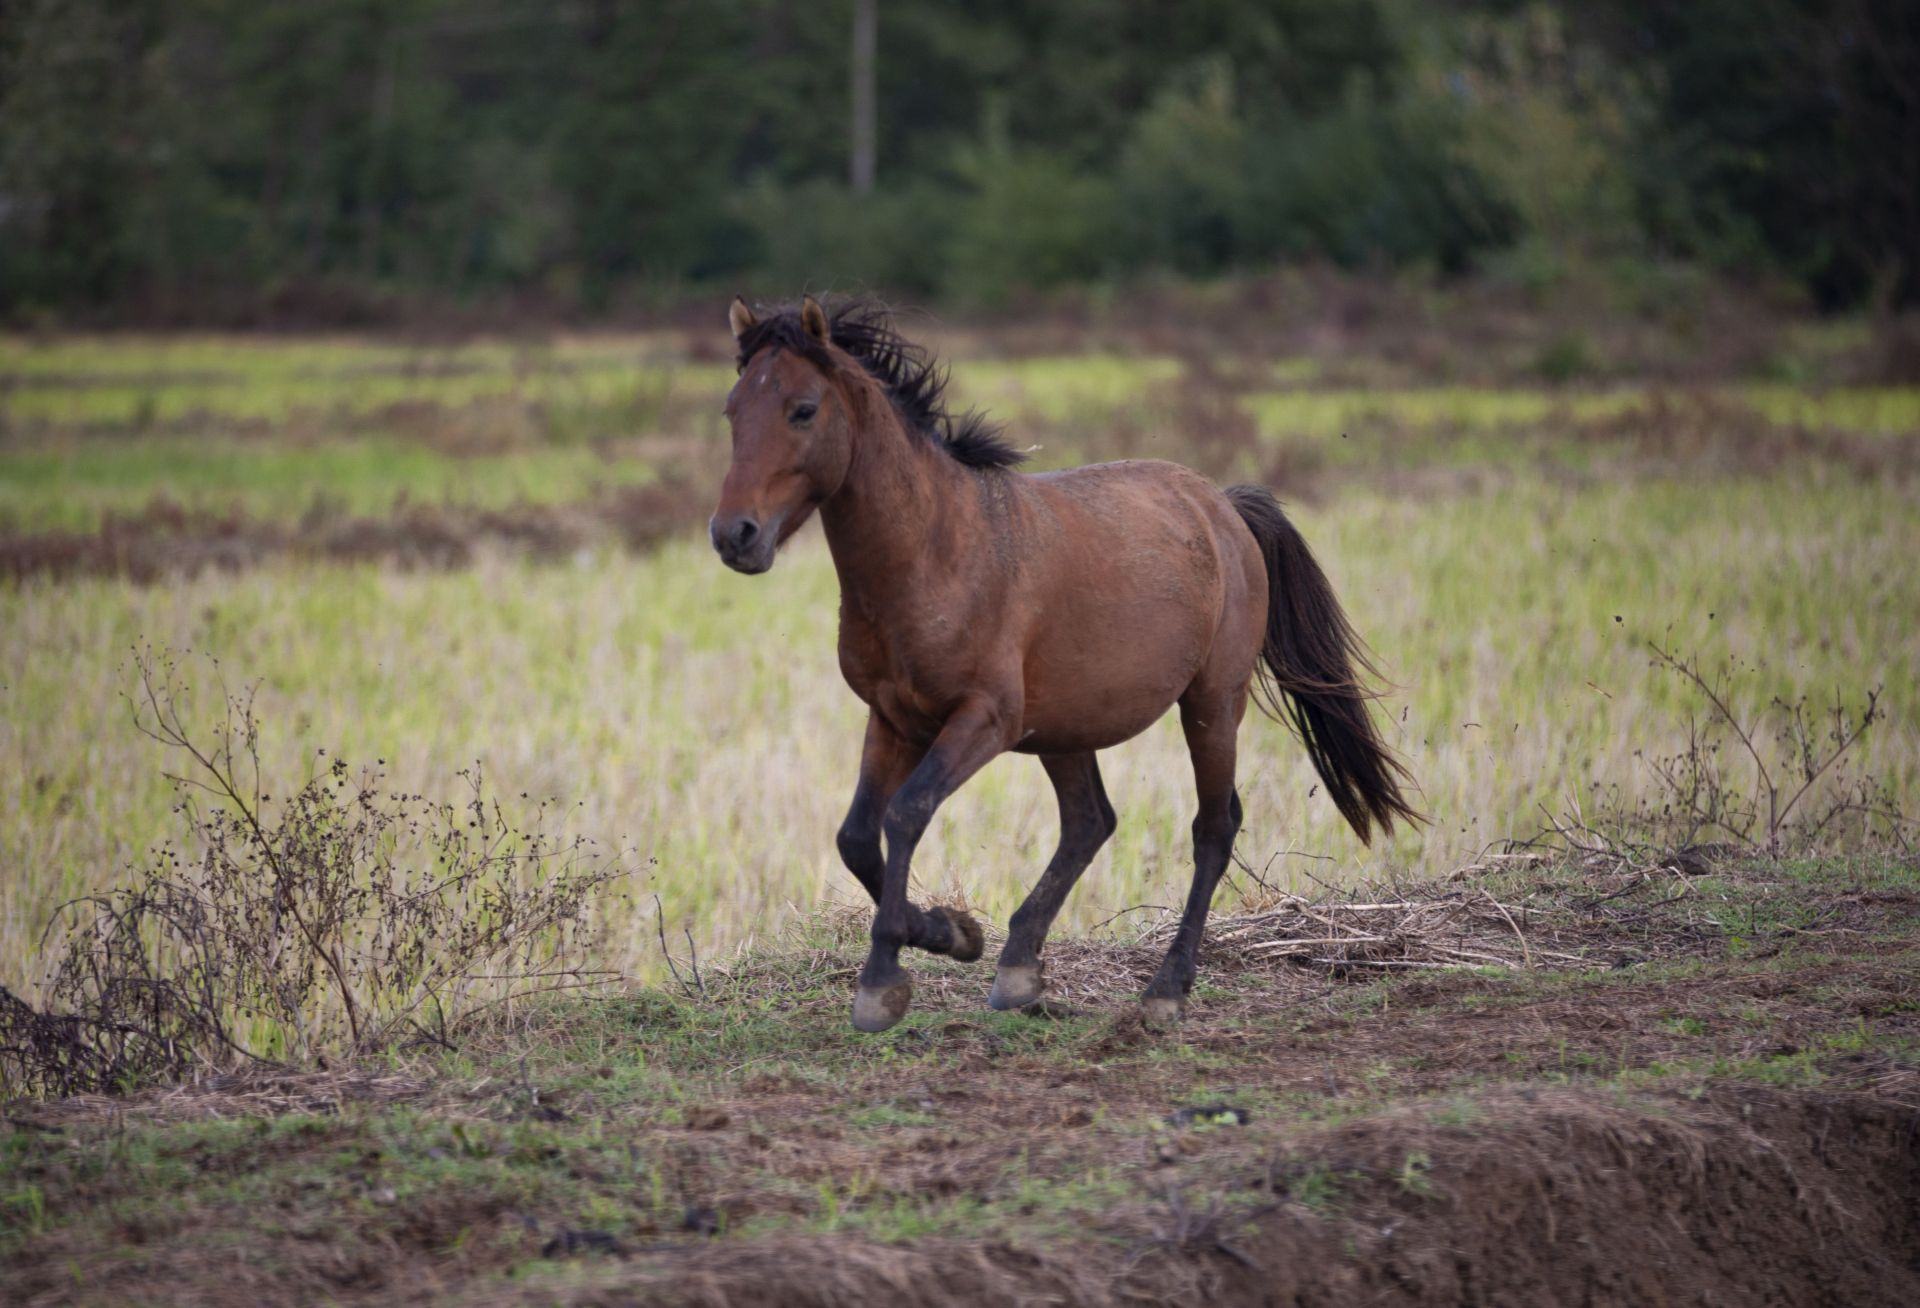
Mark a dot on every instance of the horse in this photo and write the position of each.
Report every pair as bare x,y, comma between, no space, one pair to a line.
1058,614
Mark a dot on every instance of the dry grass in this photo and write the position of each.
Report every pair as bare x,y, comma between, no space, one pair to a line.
700,718
1507,552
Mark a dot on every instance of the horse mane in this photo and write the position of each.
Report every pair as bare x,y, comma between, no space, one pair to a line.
912,378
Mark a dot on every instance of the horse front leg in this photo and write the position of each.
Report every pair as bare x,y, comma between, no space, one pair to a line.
886,761
977,731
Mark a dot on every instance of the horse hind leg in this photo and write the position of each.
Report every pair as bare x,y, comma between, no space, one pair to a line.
1086,821
1212,726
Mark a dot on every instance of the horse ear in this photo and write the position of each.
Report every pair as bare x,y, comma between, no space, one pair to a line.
814,319
739,317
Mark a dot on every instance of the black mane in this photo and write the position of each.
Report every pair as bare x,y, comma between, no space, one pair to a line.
913,378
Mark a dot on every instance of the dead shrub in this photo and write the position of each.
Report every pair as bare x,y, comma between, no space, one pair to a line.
1772,781
339,919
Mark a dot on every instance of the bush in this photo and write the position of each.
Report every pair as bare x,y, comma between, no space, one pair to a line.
1181,183
1028,220
1375,183
327,923
1771,781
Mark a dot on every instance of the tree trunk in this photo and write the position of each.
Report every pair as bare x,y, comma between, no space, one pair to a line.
866,23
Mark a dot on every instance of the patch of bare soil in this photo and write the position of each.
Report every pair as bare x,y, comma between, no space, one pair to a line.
166,540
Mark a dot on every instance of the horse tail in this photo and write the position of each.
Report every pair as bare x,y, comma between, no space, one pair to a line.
1309,678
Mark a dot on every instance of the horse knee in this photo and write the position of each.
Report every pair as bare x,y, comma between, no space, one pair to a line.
859,844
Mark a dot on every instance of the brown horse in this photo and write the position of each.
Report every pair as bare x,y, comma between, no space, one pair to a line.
985,610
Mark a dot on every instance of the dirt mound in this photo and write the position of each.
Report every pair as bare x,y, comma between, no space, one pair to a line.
1745,1197
1640,1106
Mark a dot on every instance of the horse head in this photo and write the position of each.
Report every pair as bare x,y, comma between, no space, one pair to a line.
793,422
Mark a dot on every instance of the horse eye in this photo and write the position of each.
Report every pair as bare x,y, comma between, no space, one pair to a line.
802,413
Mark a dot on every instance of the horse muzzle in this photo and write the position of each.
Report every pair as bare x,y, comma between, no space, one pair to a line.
744,543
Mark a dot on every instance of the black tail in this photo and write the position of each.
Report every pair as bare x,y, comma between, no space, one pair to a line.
1311,679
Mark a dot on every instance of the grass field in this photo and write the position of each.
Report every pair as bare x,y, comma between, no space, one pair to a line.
1509,552
1608,1077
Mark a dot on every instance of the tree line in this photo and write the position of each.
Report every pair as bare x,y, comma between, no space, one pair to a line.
195,158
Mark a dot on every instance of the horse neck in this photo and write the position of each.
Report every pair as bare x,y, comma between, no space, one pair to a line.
900,494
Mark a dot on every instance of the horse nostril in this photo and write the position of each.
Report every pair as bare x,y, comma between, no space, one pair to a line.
745,532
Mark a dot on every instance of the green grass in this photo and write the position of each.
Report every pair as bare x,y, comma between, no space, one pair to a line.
1328,415
1875,410
96,426
143,383
73,486
1062,388
90,426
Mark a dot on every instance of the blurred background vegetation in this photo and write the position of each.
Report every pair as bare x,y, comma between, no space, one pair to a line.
347,161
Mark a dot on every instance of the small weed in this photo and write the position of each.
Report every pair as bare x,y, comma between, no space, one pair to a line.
885,1115
1459,1112
1318,1189
1413,1178
25,1210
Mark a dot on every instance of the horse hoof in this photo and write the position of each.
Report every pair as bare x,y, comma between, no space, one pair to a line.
1018,987
1160,1011
969,941
877,1009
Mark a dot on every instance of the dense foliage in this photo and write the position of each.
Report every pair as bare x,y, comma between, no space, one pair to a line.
220,158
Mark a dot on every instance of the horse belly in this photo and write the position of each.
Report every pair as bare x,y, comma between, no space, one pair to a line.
1103,673
1069,733
1134,605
